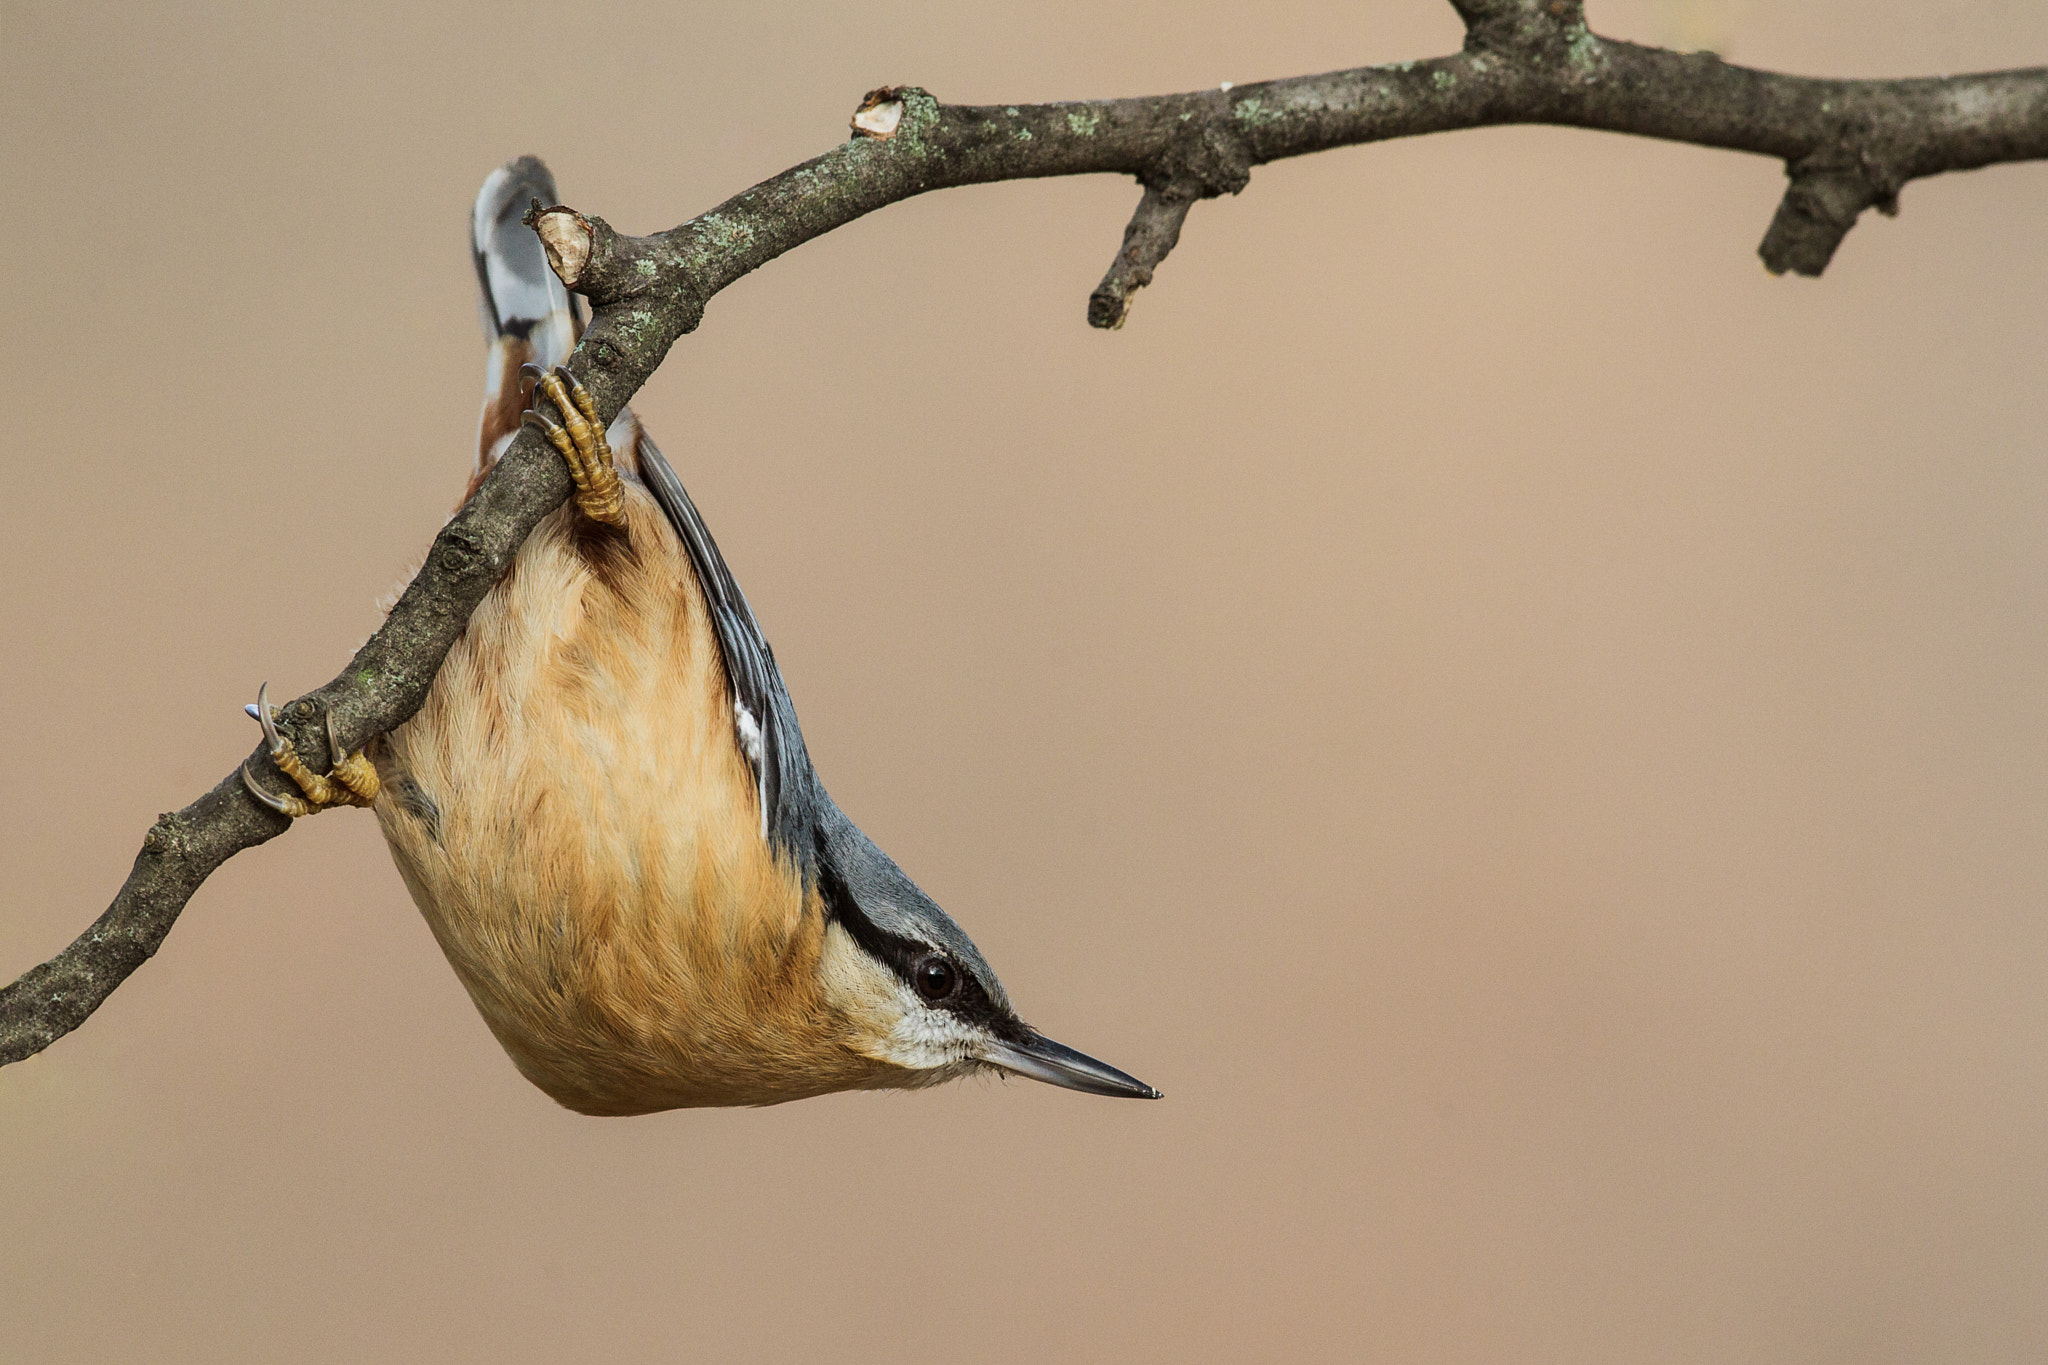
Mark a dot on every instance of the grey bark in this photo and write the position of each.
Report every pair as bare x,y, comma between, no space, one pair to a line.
1847,146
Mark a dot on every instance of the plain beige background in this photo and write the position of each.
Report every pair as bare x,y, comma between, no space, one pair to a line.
1531,731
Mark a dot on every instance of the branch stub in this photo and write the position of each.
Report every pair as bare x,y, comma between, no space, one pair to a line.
881,110
565,235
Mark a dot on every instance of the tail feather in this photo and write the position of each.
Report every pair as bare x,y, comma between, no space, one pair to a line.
528,317
521,296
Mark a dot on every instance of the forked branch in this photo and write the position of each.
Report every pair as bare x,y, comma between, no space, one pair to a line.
1847,146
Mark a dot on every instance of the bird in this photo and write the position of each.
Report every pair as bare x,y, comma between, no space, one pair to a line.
605,811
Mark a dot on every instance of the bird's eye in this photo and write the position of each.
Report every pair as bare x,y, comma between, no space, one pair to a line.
935,978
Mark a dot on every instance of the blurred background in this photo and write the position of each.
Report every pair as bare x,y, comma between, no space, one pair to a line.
1531,731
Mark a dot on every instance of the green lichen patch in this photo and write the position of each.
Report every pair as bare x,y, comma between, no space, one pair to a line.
1256,112
1582,49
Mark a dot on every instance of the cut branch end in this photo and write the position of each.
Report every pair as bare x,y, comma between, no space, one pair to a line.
879,113
566,236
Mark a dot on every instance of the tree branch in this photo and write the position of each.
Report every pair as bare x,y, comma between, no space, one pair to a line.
1847,146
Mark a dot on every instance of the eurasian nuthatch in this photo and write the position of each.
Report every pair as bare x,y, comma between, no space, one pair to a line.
606,812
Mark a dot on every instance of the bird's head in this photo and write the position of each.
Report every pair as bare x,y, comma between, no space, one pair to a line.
918,994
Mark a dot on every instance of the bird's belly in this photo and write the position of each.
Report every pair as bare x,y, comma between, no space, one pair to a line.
574,819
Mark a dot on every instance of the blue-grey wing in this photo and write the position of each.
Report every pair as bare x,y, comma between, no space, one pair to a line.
764,721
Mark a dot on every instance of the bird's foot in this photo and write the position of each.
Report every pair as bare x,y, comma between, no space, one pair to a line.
579,436
351,782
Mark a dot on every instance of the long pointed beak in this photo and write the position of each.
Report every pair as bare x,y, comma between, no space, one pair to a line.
1044,1060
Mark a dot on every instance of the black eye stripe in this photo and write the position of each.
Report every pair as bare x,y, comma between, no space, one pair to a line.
966,1000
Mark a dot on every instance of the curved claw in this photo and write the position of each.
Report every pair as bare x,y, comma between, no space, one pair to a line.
261,710
351,771
548,425
532,374
276,803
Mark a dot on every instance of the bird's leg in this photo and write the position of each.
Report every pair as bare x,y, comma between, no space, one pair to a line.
351,782
580,439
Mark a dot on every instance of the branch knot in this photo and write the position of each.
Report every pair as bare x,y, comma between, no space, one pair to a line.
165,839
1541,29
458,552
1206,159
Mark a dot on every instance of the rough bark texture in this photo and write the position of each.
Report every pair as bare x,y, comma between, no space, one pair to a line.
1846,145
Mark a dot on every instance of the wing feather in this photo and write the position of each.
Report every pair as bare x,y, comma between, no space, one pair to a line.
764,719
